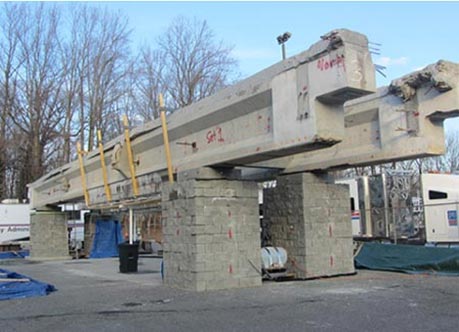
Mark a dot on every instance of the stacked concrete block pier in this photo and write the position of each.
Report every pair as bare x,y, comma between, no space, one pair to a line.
310,218
211,232
48,235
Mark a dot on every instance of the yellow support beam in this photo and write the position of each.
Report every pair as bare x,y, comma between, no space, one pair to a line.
108,192
135,186
166,139
83,174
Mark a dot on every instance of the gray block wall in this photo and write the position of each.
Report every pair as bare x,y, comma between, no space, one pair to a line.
311,219
48,235
211,233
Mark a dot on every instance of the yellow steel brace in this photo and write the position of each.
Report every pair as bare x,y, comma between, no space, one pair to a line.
135,186
166,139
108,192
83,174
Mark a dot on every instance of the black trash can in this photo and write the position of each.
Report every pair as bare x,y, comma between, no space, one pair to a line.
129,255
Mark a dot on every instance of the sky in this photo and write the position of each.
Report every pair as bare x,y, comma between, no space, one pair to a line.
412,34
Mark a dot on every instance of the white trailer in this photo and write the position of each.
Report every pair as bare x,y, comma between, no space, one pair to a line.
14,222
441,205
354,204
75,224
435,209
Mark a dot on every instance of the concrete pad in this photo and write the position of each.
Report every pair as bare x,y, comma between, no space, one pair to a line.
85,301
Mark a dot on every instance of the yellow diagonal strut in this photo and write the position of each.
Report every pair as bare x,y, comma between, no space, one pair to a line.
135,186
166,139
83,174
108,192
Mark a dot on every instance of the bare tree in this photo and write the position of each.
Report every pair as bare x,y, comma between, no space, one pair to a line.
150,82
101,40
451,157
72,62
107,70
196,66
37,111
448,162
9,64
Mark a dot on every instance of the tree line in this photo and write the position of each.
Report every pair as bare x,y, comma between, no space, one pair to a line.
68,70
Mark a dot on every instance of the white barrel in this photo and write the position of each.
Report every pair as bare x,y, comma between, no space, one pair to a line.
273,258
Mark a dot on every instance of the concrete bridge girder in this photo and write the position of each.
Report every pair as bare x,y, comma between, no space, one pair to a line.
313,111
290,107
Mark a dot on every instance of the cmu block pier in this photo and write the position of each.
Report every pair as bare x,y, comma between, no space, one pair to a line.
211,232
311,220
48,235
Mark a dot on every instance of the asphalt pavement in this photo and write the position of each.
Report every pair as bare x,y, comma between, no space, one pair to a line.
93,296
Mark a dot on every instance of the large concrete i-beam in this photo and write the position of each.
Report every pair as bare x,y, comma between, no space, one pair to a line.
319,110
294,106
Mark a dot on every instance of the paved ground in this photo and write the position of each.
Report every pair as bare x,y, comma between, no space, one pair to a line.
93,296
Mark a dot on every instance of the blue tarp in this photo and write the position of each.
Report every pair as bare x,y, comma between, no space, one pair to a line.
408,258
14,254
108,236
14,290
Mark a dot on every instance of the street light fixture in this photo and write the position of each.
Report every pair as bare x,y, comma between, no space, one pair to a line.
282,39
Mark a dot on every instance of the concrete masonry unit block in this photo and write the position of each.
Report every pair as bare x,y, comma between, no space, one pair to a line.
48,236
313,225
211,233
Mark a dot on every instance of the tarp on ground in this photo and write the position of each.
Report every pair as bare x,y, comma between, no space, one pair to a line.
106,239
14,254
15,290
408,258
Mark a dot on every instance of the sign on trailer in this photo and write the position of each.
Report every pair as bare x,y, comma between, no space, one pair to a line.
14,222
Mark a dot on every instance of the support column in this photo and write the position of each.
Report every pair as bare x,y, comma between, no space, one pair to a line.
311,219
48,235
211,232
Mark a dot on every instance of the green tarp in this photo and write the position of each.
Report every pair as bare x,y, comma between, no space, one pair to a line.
408,258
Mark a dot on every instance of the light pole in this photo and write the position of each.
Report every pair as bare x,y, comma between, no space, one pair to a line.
282,39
